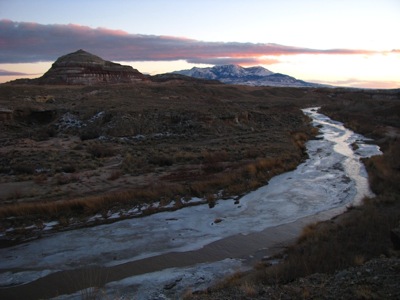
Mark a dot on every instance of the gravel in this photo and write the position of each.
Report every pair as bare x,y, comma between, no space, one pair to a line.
376,279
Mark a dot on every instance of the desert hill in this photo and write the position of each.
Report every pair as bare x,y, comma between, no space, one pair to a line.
84,68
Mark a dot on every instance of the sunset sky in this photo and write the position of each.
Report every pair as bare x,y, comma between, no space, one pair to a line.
339,42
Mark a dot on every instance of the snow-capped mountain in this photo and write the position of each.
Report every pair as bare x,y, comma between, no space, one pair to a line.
255,76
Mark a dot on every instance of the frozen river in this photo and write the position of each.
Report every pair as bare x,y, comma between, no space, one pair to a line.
159,256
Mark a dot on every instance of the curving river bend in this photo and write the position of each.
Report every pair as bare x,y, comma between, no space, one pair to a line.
159,256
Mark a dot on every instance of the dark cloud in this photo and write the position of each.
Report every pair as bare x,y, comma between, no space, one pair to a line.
32,42
244,61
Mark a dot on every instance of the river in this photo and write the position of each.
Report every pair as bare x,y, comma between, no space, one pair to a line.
162,255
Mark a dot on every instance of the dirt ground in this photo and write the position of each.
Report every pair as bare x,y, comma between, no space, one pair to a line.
70,152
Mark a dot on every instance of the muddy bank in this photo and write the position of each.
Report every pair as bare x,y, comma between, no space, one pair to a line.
227,254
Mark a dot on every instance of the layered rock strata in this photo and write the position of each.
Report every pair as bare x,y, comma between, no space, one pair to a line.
84,68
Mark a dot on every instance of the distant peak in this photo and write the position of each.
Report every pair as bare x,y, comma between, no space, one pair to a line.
81,51
231,66
80,56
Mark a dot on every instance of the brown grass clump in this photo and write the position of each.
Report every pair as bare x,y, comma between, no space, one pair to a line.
237,179
365,292
92,204
115,175
249,289
300,138
307,232
213,161
383,171
24,168
63,178
161,160
99,150
40,178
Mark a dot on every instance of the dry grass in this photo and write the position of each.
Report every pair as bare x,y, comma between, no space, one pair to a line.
238,179
63,178
205,140
248,289
115,175
99,150
365,292
382,170
92,204
232,179
325,250
359,235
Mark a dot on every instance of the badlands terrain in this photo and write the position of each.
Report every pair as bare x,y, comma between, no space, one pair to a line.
79,154
69,153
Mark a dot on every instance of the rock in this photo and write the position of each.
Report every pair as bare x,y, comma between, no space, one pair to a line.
6,115
381,282
171,285
395,238
84,68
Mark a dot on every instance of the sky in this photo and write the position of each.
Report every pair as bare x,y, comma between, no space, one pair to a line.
338,42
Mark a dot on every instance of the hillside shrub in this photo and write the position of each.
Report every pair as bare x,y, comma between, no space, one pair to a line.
99,150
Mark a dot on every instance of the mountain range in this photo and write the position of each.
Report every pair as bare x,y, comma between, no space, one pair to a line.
254,76
84,68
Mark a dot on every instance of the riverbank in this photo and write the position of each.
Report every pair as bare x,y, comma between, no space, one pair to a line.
99,154
343,258
348,257
200,234
171,283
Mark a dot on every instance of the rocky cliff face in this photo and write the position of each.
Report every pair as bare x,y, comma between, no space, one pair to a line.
84,68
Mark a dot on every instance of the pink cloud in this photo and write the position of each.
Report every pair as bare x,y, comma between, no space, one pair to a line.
32,42
354,82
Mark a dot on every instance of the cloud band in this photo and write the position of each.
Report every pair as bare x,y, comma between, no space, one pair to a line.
22,42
